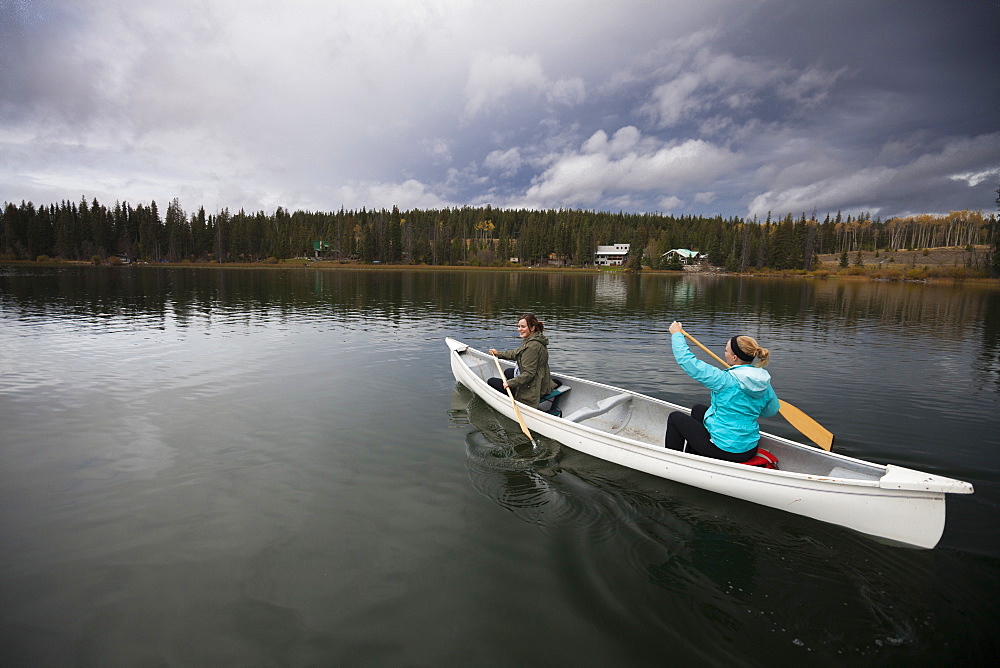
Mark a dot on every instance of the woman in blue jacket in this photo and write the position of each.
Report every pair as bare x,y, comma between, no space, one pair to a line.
741,394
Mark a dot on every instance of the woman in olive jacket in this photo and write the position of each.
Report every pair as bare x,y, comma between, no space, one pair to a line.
533,380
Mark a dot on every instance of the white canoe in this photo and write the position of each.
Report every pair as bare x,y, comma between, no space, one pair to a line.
897,504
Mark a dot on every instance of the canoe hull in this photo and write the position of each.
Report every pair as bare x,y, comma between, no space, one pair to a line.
914,517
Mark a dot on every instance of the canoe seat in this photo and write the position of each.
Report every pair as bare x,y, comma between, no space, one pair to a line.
600,408
553,398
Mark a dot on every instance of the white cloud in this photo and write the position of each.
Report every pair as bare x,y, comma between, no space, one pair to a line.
857,187
705,198
496,76
811,86
463,180
506,162
439,150
861,188
626,163
410,194
674,99
973,179
701,81
624,140
671,204
499,79
569,92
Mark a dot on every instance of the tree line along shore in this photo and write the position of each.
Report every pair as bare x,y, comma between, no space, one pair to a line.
961,244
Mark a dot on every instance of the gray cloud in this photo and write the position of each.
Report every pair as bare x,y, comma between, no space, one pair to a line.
720,106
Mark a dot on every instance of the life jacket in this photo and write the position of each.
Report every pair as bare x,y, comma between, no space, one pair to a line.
763,458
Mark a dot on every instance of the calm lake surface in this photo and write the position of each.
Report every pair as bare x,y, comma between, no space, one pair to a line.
255,466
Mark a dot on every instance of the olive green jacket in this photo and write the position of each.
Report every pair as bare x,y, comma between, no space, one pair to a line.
533,380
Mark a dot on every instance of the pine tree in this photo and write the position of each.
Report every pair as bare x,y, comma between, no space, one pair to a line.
995,232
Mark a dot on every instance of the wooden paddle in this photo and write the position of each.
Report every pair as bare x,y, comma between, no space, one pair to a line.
813,430
513,402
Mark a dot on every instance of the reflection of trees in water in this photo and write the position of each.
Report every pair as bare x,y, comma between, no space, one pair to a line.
567,301
830,304
942,311
989,365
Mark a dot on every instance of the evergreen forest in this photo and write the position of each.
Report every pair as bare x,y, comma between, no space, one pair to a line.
470,236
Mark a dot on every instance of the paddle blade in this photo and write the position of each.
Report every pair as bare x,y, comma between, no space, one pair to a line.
811,429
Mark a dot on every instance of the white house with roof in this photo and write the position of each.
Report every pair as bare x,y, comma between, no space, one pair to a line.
611,256
686,256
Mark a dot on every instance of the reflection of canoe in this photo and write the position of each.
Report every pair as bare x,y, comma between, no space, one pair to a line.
895,503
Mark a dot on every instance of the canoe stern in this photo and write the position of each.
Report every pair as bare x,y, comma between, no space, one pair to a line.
899,477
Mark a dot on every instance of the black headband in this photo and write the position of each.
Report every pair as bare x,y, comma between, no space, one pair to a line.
738,352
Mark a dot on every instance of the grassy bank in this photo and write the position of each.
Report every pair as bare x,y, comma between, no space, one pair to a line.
925,265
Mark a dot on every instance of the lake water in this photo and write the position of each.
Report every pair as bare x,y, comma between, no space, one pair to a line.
256,466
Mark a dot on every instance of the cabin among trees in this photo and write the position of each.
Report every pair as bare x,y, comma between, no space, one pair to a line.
683,255
614,255
472,236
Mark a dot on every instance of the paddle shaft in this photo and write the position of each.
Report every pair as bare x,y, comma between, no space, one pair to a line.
513,402
816,432
698,343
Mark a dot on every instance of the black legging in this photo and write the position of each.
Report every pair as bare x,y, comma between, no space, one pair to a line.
682,427
497,384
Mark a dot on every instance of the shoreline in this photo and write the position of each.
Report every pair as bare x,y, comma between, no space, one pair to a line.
876,274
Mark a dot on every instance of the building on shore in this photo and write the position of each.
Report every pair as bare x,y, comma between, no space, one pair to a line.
686,256
611,256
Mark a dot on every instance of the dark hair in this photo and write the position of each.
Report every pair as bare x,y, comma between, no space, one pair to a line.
533,323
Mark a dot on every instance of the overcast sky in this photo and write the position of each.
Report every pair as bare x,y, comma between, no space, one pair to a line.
732,107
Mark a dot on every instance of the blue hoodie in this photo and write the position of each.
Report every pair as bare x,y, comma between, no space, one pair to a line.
740,395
